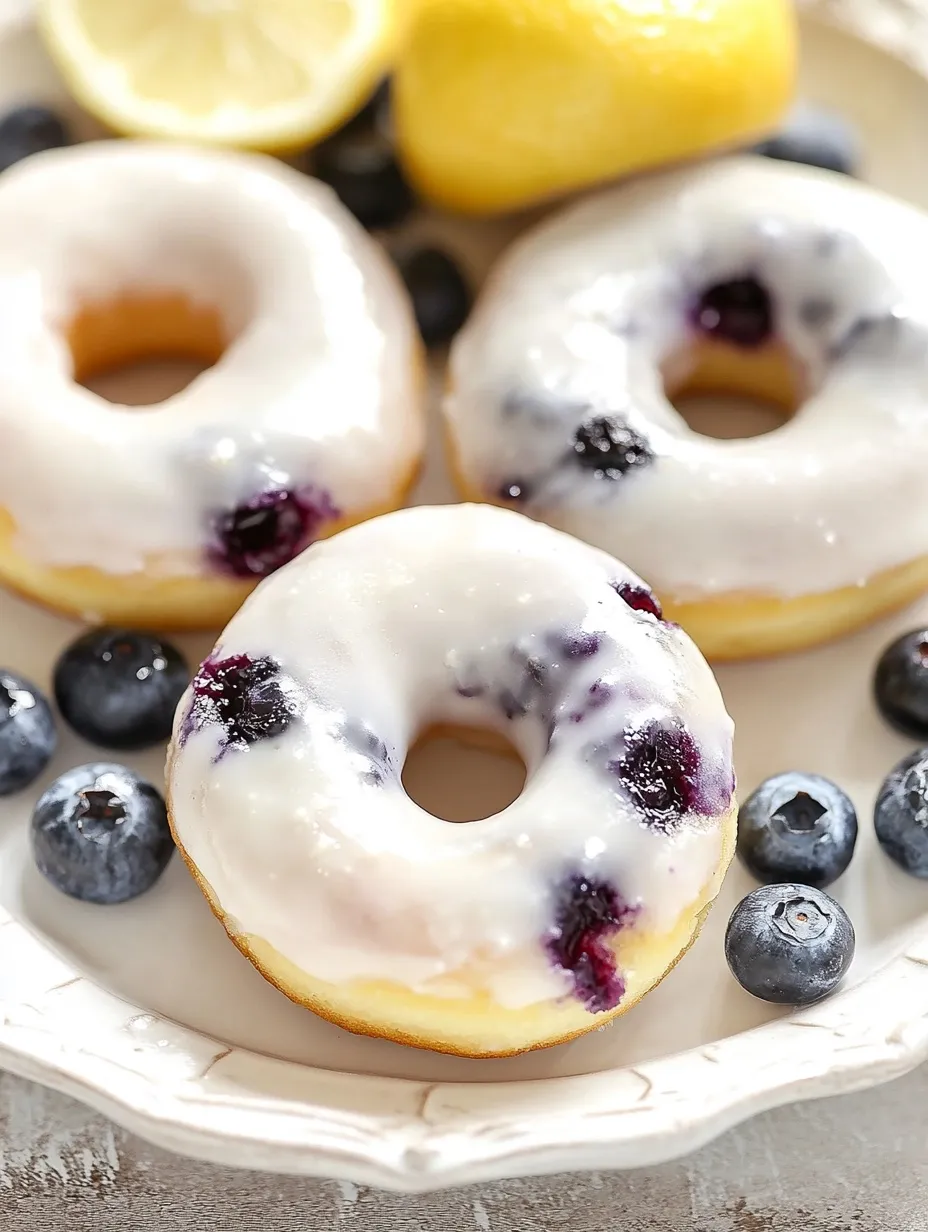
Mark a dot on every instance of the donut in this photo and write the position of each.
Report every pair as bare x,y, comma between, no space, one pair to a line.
521,930
310,418
787,283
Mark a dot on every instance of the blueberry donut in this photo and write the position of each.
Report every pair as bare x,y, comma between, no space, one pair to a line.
527,928
309,420
782,282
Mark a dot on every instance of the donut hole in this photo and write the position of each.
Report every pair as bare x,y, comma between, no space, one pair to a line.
463,773
140,349
730,393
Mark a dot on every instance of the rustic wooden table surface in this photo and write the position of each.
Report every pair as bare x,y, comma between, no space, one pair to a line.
853,1164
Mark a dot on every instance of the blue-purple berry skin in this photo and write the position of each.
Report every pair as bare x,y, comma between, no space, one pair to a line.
441,297
739,312
30,130
815,137
249,699
100,833
358,162
900,684
119,688
588,912
901,814
267,530
797,828
609,448
789,944
28,737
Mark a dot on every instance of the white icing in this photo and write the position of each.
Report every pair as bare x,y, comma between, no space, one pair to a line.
378,627
318,385
581,313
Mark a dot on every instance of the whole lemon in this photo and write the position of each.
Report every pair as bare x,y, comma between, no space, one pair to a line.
502,103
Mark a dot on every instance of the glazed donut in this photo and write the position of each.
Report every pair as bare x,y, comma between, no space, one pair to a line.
310,419
535,925
747,275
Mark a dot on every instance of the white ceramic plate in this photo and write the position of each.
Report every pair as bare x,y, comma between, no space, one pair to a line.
147,1012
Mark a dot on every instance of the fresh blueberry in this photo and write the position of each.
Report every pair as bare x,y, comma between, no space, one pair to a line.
797,827
440,296
610,448
901,814
119,689
816,137
100,833
901,684
249,699
268,530
588,912
790,944
27,733
739,312
29,130
358,162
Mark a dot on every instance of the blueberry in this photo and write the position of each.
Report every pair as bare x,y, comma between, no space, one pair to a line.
797,827
29,130
901,814
249,699
119,689
100,833
359,164
816,137
27,732
739,312
440,297
790,944
660,771
640,598
588,912
267,530
610,448
901,684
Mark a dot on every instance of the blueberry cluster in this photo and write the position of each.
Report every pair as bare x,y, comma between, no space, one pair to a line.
359,163
788,941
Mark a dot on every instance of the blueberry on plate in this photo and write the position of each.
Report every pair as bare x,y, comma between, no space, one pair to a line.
816,137
440,297
900,684
100,833
790,944
119,689
797,827
358,162
27,732
29,130
901,814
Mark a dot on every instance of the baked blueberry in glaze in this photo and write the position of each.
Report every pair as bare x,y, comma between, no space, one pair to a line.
640,598
610,448
376,758
588,912
739,311
268,530
249,699
660,770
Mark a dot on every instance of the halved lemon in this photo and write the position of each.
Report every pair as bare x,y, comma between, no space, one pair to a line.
264,74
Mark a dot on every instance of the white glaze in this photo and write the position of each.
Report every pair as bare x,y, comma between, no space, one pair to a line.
580,315
379,626
318,385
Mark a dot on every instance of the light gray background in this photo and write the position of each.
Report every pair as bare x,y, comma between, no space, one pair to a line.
853,1164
